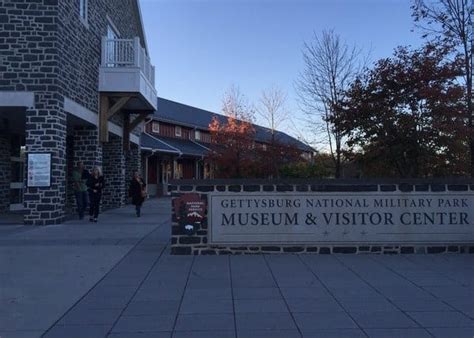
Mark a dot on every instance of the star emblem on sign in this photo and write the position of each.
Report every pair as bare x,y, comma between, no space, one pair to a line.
363,233
325,233
345,232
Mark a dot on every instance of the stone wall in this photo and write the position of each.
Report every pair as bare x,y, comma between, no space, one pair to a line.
29,58
132,162
197,243
46,48
46,132
80,45
115,192
87,148
5,172
83,146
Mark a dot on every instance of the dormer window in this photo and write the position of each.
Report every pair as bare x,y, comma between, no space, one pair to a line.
177,131
155,127
197,135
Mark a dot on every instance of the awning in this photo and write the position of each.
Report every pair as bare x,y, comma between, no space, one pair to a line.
186,147
152,143
174,145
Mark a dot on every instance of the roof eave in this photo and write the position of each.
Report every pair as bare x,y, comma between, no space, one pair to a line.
138,13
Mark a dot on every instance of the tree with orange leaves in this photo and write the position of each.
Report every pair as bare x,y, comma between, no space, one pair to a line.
235,154
233,141
233,150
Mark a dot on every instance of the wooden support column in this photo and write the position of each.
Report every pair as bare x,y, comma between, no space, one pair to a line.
117,106
129,126
140,118
106,112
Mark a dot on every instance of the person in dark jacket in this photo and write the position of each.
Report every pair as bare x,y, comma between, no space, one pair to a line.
137,192
79,177
95,184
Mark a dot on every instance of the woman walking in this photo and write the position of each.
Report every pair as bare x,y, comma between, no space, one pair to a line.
95,185
137,192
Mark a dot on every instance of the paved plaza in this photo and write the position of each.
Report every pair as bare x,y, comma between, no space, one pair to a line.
116,279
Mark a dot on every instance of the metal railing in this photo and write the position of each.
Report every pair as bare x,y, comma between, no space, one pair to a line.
127,53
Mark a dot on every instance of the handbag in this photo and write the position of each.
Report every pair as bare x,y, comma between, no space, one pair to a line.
144,193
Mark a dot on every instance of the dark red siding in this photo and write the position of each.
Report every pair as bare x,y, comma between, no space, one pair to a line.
188,169
152,169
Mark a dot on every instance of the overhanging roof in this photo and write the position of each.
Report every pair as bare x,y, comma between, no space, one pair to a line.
186,147
173,145
138,14
154,144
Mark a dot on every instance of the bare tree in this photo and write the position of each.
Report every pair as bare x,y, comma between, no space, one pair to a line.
330,67
236,105
451,22
272,109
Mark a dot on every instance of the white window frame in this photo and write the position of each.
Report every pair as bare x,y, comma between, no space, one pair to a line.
155,127
197,135
83,11
177,131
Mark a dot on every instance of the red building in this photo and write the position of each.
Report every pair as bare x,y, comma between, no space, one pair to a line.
176,140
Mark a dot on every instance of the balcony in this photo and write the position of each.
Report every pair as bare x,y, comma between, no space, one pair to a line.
126,71
126,86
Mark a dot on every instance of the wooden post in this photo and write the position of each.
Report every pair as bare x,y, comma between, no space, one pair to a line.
106,112
137,121
117,106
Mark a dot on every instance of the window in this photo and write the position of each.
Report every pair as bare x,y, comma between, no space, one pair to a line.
83,9
177,131
155,127
264,147
197,135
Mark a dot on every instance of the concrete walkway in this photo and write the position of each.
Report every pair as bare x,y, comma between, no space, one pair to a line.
45,270
116,279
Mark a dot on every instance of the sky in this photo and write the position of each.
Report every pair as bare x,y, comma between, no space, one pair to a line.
201,48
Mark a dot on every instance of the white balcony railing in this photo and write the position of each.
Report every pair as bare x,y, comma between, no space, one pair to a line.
126,53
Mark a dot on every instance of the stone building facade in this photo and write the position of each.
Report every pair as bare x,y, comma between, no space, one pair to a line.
58,61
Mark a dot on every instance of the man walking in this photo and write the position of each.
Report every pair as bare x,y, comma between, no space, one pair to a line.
79,178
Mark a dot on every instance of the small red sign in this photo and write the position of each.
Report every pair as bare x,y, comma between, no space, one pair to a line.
194,207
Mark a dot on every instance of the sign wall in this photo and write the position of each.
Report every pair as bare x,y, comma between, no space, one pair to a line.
372,217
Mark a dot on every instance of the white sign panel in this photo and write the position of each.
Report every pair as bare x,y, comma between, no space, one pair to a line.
39,170
309,218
